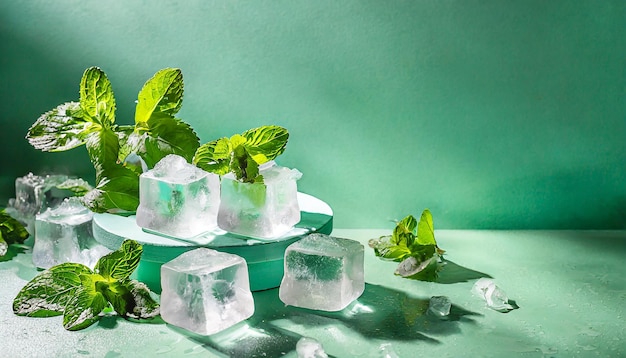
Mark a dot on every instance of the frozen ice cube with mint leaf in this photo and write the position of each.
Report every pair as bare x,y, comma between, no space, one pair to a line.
322,273
261,210
178,199
205,291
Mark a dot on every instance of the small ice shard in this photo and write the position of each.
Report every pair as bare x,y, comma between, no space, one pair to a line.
310,348
386,351
439,306
64,234
494,296
205,291
260,210
322,273
178,199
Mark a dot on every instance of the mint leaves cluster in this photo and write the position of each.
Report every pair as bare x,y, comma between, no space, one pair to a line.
120,153
91,122
413,244
11,232
81,295
242,153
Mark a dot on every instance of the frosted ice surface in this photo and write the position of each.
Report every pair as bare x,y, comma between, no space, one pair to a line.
322,273
261,210
64,234
495,297
310,348
439,306
205,291
178,199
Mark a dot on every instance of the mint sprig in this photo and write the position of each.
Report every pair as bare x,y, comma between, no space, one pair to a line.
242,153
91,122
81,295
11,232
413,244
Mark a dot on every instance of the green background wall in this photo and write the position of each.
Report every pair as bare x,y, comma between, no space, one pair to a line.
493,114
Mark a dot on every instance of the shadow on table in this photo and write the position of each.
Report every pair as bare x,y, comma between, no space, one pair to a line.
454,273
380,313
12,251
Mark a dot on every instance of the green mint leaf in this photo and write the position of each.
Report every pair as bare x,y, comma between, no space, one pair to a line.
96,97
385,249
83,309
163,93
120,264
426,229
214,156
48,293
140,303
404,232
265,143
117,187
118,295
164,135
243,166
78,186
60,129
11,230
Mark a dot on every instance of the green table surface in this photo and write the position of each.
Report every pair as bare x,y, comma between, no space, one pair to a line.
570,287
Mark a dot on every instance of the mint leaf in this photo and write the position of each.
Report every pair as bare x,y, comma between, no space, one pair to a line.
140,303
419,255
214,156
60,129
77,186
83,309
164,135
49,292
163,93
265,143
243,166
96,97
117,187
426,229
404,232
120,264
11,232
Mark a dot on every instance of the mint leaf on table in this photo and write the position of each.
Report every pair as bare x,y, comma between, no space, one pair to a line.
11,232
47,294
242,154
80,294
413,244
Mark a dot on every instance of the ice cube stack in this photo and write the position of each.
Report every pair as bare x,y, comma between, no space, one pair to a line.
178,199
64,234
205,291
322,273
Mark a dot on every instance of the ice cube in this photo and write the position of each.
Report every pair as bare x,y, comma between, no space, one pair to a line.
386,351
439,306
178,199
33,194
322,273
495,297
64,234
261,210
310,348
205,291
